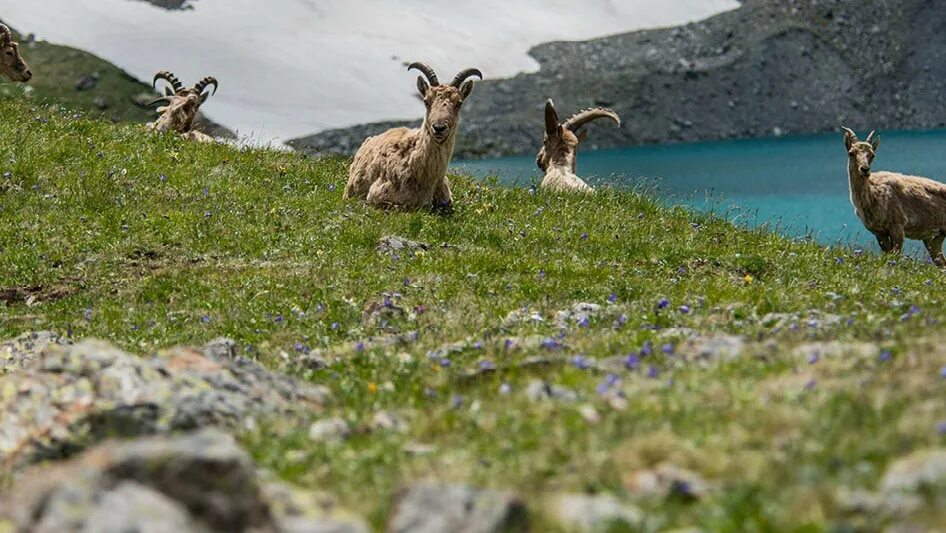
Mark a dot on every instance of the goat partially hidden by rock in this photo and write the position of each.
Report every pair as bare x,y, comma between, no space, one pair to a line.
558,157
11,62
893,206
182,106
406,168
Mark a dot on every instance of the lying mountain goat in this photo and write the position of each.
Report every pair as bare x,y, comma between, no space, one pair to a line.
891,205
407,168
558,157
182,105
11,62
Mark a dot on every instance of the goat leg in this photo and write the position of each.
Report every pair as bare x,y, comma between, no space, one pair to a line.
935,247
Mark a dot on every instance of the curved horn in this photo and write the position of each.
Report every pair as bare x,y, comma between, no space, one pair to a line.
168,77
580,119
870,137
6,35
204,83
163,99
848,131
426,71
464,74
551,117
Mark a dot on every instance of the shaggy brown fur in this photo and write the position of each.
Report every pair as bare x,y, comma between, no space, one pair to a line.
558,157
406,168
182,106
893,206
11,62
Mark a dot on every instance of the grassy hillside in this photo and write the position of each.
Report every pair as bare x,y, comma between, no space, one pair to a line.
109,232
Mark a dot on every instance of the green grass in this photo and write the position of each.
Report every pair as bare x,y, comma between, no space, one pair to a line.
149,241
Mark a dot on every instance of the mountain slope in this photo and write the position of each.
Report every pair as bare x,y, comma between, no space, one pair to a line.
766,68
86,82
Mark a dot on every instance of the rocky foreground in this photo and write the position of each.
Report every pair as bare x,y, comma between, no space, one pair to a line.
768,68
95,439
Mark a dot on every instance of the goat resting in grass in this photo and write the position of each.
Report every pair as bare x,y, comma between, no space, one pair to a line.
558,157
407,168
893,206
11,62
182,105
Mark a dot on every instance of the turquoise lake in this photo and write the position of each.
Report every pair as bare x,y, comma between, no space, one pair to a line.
796,185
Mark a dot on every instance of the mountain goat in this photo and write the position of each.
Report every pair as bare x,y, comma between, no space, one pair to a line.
558,157
406,168
182,106
11,62
893,206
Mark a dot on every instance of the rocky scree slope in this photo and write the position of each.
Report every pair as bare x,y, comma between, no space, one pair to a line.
768,68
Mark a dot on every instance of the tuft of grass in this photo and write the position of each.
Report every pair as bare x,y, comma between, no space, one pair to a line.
148,241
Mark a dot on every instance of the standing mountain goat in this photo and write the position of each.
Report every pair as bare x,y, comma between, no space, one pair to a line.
407,168
182,105
558,157
11,62
893,206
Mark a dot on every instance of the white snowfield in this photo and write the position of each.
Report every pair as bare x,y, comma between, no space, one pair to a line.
293,67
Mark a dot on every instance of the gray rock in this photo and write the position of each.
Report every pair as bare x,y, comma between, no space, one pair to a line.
538,390
583,513
199,482
19,352
712,347
71,396
221,349
389,421
393,244
329,430
915,471
577,314
431,508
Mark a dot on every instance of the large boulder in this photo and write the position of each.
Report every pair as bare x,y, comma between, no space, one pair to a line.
61,398
192,483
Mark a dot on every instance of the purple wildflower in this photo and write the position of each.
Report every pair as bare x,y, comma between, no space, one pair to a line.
487,365
580,362
478,345
941,428
300,347
360,347
205,319
551,344
684,309
942,372
811,385
667,349
445,363
509,343
278,319
653,372
621,321
896,291
612,298
885,356
647,349
335,325
632,362
663,303
88,314
813,358
584,236
584,322
407,282
456,401
839,261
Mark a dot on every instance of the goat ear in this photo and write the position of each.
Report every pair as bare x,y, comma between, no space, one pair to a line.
875,144
204,97
551,118
168,91
582,136
422,87
466,89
